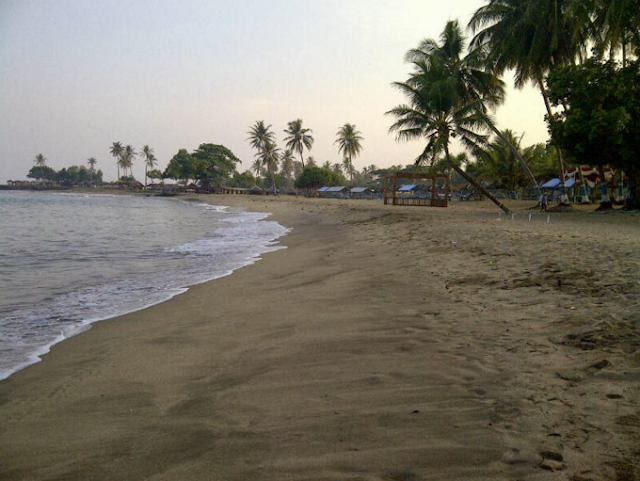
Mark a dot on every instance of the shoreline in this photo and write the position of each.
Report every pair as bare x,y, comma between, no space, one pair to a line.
383,342
68,332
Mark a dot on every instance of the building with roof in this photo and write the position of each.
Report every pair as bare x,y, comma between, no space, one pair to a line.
362,193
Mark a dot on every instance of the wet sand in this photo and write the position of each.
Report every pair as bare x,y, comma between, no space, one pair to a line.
385,343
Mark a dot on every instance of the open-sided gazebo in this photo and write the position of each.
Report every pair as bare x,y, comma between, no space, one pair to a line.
427,190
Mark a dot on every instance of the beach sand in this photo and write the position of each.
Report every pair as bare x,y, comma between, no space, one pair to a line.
385,343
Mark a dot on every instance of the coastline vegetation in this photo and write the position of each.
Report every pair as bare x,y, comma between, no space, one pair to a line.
582,56
454,88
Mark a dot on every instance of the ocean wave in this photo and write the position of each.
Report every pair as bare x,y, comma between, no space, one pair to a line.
141,277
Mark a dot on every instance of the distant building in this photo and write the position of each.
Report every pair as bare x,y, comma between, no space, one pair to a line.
337,192
362,193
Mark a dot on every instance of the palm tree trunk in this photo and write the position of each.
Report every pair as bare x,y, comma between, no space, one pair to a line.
273,179
472,181
302,160
563,198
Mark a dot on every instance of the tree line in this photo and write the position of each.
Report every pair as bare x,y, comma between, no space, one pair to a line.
67,176
569,49
582,56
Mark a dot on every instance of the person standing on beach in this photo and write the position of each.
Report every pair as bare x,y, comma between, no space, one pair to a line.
543,203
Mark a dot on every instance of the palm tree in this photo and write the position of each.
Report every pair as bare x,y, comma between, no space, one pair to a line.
298,138
438,108
529,37
500,164
92,163
269,157
286,163
349,169
40,162
150,160
116,151
349,145
126,159
311,162
472,79
257,167
260,135
616,24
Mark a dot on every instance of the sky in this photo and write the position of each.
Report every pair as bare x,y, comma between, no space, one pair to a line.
77,75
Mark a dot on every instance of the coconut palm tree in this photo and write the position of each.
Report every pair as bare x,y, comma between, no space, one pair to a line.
92,163
349,169
260,135
529,37
41,162
500,164
116,151
286,164
438,109
472,79
298,138
311,162
257,168
616,24
150,160
126,159
349,145
270,157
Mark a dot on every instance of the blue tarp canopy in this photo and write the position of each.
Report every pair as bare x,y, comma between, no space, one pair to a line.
555,183
407,188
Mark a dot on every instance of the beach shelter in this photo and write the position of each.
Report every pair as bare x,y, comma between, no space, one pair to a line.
337,192
361,193
554,184
407,190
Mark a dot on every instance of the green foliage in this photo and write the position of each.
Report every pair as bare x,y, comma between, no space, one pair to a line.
592,127
349,141
212,163
209,164
600,122
43,173
298,138
498,164
246,180
316,177
155,174
447,95
67,176
180,167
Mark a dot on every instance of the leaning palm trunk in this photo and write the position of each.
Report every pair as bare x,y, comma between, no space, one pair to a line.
563,199
472,181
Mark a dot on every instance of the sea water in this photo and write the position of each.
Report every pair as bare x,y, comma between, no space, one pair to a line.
68,260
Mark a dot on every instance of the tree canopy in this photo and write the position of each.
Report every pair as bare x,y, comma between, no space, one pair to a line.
599,123
209,164
212,163
316,177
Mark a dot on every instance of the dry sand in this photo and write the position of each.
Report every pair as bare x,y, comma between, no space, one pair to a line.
385,343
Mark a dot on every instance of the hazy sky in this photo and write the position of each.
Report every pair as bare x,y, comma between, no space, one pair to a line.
76,76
